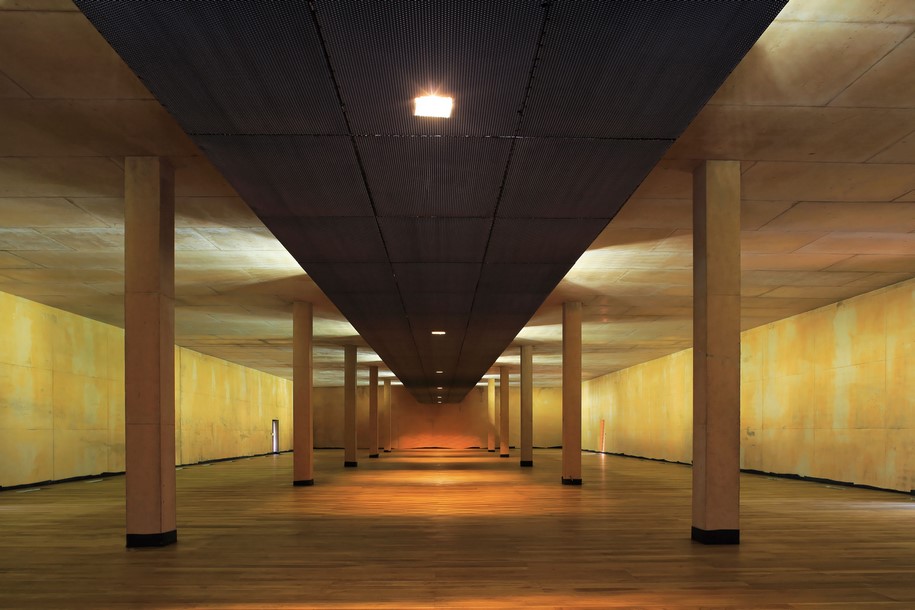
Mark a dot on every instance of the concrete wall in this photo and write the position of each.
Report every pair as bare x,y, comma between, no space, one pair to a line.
829,393
455,426
62,399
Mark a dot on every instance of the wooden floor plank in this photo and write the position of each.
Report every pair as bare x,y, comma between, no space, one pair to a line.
457,529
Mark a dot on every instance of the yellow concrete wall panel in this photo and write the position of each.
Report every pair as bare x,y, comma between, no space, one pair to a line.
786,450
81,346
867,457
828,445
753,353
80,402
751,451
868,396
851,396
900,323
900,459
114,357
27,342
116,450
283,397
829,393
194,439
26,456
752,394
514,415
62,399
25,398
790,348
589,416
788,402
859,330
900,393
547,407
328,416
80,453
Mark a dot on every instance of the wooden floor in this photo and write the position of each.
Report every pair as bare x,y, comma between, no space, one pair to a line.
443,529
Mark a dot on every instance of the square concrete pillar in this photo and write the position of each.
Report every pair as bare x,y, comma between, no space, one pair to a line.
503,412
149,351
491,435
302,386
349,407
373,411
527,406
716,352
389,410
571,393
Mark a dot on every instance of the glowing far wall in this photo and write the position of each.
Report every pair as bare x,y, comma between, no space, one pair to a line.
452,426
829,393
62,399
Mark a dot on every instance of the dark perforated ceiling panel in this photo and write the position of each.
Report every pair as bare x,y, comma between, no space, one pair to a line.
425,176
386,53
413,224
435,240
575,178
226,67
542,240
637,68
299,176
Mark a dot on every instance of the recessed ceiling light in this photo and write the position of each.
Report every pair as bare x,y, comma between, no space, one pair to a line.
440,388
439,372
438,332
433,105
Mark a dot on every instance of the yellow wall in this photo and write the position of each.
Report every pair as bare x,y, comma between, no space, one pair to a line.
829,393
62,399
415,425
645,408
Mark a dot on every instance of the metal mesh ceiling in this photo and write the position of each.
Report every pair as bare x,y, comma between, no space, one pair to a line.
414,224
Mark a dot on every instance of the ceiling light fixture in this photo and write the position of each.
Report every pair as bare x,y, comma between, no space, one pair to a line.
438,332
433,105
439,372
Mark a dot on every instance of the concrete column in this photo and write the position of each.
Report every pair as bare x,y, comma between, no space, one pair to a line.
571,393
349,406
527,406
373,411
389,425
491,406
302,384
716,352
496,418
503,411
149,351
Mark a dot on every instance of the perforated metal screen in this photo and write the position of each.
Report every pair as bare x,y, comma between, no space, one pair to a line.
418,224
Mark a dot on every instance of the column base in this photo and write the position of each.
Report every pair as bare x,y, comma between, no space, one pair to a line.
504,455
373,455
350,464
527,463
139,541
716,536
304,483
566,481
491,450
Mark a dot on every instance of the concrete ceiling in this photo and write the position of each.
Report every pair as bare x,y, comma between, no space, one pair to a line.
821,113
